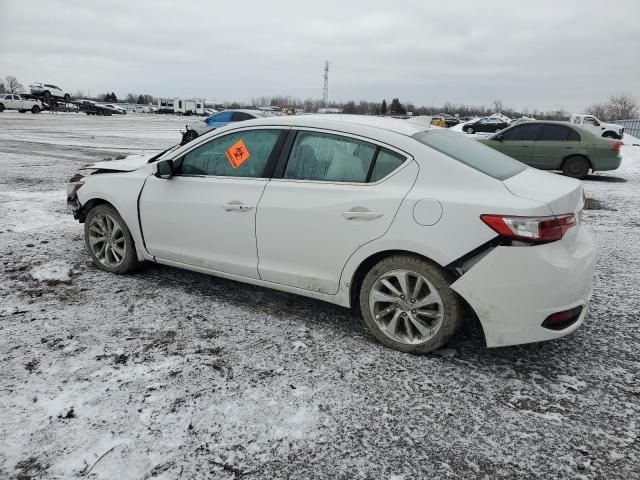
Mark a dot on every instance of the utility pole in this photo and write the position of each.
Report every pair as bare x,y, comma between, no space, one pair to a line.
325,90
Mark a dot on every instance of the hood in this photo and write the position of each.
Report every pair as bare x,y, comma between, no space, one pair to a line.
127,164
562,194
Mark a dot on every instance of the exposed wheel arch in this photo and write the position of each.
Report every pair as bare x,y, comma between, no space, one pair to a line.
94,202
610,134
366,265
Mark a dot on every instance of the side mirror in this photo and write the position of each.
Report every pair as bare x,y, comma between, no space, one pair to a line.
164,169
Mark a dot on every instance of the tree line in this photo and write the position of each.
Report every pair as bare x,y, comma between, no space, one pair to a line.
615,107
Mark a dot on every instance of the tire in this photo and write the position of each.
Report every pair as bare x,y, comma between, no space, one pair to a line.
35,109
1,107
67,98
189,136
47,94
469,130
108,240
611,134
381,306
576,167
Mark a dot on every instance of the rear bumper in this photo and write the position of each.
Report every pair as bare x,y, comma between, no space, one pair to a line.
514,289
608,163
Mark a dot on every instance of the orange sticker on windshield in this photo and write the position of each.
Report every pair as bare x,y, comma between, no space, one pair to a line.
237,154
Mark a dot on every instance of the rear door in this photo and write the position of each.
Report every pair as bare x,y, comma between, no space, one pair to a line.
335,193
554,143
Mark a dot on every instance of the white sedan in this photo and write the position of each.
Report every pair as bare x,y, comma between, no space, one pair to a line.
410,226
49,91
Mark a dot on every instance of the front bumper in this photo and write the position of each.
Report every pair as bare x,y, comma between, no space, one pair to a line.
514,289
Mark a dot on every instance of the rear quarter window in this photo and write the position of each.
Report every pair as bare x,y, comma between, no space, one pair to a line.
471,152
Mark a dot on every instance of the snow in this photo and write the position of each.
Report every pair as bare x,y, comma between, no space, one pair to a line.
55,271
168,374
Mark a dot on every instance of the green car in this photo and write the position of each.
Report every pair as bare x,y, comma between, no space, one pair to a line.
557,146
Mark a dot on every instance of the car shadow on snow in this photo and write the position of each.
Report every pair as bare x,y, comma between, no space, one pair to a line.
468,344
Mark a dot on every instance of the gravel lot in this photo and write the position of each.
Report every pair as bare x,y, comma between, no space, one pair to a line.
168,374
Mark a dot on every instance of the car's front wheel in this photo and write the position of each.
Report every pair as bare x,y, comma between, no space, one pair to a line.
469,130
109,241
188,136
35,109
408,305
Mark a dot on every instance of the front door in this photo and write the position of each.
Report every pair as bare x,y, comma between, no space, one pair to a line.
205,214
517,142
337,193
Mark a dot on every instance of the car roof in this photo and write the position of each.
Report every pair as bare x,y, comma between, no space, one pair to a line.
341,122
581,130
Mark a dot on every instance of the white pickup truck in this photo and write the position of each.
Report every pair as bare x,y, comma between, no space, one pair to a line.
598,127
12,101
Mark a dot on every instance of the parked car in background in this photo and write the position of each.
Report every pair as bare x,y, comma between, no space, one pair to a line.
484,124
411,226
450,120
13,101
48,91
598,127
220,119
557,146
117,109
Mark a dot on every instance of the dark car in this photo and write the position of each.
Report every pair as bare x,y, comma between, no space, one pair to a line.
485,124
450,120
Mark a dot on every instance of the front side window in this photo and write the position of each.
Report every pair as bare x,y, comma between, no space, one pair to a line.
471,152
331,158
528,132
239,154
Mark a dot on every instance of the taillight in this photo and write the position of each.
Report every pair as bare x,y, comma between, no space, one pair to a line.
531,229
616,147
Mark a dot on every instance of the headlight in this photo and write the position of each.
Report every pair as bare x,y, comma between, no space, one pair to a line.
74,185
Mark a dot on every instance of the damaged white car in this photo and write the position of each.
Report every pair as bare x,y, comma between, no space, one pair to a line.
412,227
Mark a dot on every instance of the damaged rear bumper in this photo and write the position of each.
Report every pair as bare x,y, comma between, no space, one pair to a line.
514,289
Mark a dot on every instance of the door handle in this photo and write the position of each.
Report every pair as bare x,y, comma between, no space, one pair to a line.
236,207
361,215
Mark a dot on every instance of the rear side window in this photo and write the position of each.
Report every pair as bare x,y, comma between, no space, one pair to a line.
239,154
386,162
471,152
331,158
557,133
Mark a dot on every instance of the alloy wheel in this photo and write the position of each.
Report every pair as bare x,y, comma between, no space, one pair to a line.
406,307
106,240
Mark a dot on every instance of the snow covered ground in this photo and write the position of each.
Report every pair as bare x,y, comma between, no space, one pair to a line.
168,374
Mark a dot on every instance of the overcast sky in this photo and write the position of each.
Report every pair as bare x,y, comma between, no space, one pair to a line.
540,54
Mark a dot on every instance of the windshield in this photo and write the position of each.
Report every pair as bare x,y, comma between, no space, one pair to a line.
162,154
471,152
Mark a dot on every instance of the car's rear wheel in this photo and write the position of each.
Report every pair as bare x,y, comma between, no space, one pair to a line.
576,167
1,107
188,136
469,130
109,241
47,94
408,305
35,109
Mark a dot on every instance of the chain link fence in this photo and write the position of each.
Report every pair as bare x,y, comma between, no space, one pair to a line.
632,127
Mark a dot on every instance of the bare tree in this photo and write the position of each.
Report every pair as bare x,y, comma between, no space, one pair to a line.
599,110
12,84
622,107
498,106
